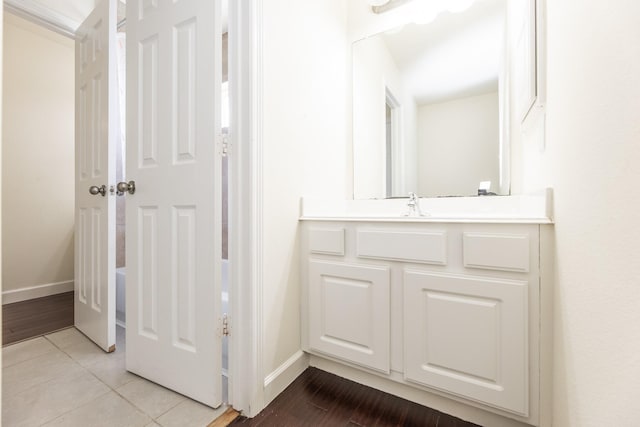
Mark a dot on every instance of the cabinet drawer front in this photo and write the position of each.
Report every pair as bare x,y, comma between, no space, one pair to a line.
409,246
326,241
349,312
468,336
507,252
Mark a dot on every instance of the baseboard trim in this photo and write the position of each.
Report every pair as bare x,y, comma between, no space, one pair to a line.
285,374
23,294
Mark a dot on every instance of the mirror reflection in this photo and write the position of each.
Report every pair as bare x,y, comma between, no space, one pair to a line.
428,106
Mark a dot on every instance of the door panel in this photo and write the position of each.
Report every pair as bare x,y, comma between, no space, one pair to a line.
174,217
96,130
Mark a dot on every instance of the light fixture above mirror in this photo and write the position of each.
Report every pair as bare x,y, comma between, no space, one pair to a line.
381,6
423,12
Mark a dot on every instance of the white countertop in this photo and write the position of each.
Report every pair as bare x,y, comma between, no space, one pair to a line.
529,209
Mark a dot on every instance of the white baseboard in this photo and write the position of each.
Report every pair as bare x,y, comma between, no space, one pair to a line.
285,374
23,294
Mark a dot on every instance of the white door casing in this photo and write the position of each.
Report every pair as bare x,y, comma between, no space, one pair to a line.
96,130
174,218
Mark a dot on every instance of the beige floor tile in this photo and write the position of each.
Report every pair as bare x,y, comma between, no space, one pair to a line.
153,424
190,414
87,353
109,410
151,398
16,353
67,338
21,376
112,371
46,401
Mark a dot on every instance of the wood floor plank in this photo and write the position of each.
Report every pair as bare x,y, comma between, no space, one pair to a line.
342,400
35,317
318,398
416,417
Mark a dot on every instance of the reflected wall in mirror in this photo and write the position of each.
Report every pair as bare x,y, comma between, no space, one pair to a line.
428,106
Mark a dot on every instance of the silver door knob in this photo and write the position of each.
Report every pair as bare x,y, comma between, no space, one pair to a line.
95,190
124,187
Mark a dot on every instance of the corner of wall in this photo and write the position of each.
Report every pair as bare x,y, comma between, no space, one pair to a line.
285,374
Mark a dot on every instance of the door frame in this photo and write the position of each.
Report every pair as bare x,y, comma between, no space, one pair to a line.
246,390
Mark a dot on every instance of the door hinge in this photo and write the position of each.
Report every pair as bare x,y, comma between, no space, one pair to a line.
225,325
225,145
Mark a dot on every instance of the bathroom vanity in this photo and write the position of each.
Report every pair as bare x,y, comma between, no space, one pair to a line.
455,304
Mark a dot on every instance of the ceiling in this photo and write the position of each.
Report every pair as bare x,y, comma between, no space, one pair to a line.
74,11
66,15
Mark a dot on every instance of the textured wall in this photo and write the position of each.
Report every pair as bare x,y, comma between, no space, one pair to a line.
593,140
304,147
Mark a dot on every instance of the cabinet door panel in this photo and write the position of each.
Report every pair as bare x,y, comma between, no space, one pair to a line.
349,312
493,251
468,336
407,246
326,241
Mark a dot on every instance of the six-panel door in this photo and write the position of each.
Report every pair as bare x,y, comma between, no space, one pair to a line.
96,132
174,217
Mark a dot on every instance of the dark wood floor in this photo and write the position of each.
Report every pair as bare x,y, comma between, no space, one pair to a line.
318,398
35,317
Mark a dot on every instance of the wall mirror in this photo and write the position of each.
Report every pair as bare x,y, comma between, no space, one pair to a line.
429,106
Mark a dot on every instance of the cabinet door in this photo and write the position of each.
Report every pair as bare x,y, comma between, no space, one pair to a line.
349,312
468,336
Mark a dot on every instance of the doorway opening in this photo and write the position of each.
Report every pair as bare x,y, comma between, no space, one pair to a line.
119,224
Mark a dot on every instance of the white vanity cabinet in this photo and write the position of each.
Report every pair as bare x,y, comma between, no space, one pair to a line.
451,308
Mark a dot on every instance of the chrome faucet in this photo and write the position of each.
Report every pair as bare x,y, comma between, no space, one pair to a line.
414,205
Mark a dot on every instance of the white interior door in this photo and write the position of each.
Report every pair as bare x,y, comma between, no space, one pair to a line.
174,217
96,130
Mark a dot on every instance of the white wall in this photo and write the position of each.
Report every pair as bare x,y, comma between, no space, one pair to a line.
38,156
593,141
591,158
305,149
458,145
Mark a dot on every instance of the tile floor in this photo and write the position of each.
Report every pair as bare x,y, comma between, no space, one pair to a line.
63,379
